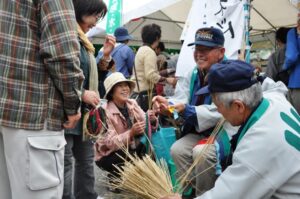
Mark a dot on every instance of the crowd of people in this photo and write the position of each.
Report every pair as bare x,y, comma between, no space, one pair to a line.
50,80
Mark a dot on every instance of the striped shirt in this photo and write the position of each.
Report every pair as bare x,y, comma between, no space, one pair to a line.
40,77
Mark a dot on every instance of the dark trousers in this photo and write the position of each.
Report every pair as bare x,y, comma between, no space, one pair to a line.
106,163
84,180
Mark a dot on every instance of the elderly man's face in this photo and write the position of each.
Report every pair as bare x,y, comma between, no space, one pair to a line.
234,114
205,56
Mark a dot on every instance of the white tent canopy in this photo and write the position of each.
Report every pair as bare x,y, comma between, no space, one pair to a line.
136,14
266,15
270,14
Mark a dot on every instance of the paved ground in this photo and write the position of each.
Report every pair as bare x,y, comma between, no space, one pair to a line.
100,185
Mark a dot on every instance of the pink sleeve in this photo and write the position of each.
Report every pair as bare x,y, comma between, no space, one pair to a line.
113,140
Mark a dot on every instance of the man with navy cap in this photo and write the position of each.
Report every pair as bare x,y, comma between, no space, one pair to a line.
122,54
266,148
200,117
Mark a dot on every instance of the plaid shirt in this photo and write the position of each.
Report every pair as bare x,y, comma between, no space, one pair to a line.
40,78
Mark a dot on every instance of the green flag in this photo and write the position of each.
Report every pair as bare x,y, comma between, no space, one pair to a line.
114,16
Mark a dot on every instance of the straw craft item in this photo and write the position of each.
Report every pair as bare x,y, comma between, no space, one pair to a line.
142,178
94,122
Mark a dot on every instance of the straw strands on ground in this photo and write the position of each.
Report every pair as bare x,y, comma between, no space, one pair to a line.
143,178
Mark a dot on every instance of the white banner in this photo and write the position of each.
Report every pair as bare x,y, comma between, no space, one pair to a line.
227,15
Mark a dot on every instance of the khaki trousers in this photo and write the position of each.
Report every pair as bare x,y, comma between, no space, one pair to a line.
31,164
184,151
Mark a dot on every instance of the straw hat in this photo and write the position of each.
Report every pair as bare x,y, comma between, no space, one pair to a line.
115,78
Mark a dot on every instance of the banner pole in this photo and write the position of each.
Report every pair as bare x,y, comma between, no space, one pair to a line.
247,7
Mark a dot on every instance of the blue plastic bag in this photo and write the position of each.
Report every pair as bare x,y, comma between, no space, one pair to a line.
162,140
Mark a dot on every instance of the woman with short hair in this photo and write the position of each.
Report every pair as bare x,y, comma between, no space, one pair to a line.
87,13
146,73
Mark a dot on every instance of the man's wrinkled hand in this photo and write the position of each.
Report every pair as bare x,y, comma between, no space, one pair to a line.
180,107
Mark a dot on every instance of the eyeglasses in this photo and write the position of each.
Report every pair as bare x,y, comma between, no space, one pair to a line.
98,17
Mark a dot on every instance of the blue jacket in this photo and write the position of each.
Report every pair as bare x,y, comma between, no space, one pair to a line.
123,56
292,58
190,114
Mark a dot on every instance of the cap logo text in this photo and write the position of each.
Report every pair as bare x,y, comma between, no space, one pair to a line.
204,35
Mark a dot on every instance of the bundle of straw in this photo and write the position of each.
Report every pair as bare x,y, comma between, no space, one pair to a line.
143,178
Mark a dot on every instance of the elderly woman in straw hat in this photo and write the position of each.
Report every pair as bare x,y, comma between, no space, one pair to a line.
126,123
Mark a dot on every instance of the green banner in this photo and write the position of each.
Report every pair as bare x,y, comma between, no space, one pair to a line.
114,16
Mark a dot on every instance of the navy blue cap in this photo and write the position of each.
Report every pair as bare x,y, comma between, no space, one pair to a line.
211,37
122,34
229,76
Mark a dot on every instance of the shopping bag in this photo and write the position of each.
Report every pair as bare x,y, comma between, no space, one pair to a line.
162,140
